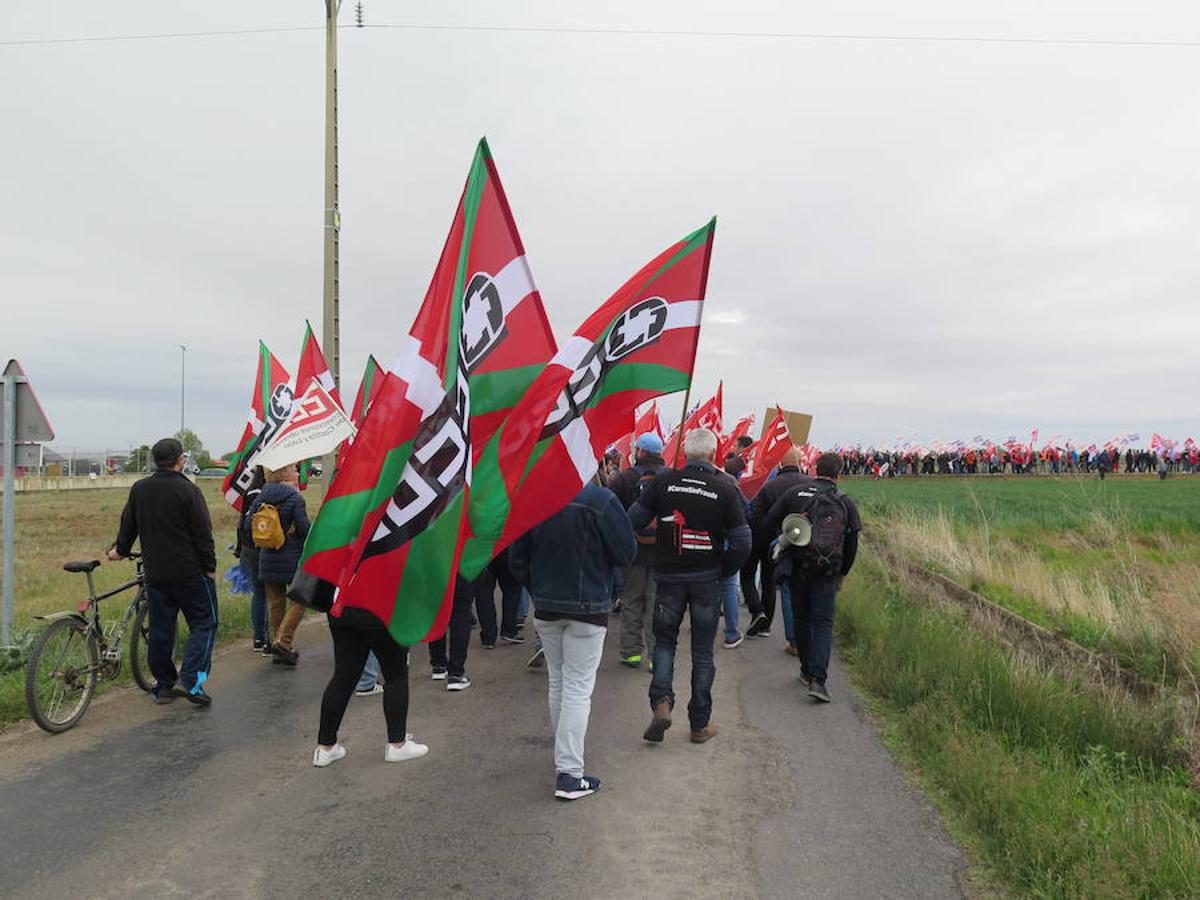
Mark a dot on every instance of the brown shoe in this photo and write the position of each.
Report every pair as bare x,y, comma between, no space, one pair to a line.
790,649
660,723
707,733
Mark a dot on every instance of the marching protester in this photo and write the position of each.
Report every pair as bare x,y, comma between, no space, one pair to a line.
248,556
168,514
567,564
701,537
762,606
278,522
357,633
819,567
637,607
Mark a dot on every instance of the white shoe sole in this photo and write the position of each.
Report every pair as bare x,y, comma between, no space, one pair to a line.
438,676
458,686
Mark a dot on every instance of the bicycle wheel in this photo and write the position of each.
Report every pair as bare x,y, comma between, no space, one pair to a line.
60,677
139,641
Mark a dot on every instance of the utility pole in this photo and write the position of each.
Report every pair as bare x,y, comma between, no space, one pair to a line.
330,344
182,383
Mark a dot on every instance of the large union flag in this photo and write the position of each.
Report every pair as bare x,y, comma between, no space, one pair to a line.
640,344
270,406
390,532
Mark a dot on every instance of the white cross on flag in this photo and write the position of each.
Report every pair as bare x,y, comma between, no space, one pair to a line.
316,426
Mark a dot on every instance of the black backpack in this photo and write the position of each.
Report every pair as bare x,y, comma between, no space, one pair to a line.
824,509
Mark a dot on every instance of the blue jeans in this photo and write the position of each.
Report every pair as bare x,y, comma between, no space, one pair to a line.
258,606
789,619
703,601
729,604
813,602
370,673
196,598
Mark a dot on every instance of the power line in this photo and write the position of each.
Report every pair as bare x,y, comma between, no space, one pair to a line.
639,32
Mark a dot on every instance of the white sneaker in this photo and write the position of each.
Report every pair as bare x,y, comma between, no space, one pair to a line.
410,749
323,757
374,689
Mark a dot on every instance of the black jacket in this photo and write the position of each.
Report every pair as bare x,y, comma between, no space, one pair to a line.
791,501
168,513
702,533
766,497
625,484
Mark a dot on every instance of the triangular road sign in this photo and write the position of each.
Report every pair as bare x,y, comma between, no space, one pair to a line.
32,424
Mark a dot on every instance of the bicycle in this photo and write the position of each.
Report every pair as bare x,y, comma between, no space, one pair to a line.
76,651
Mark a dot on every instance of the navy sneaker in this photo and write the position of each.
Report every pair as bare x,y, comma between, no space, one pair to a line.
162,695
195,696
819,692
568,787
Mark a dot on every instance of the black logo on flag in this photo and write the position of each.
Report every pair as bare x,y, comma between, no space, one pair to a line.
279,407
638,327
482,320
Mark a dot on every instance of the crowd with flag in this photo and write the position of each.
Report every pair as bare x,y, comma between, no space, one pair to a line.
484,427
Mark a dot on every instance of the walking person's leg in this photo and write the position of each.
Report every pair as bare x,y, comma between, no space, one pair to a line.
633,615
160,643
484,590
437,657
459,635
276,606
197,599
510,599
822,600
670,601
551,633
648,614
788,616
703,602
802,626
582,647
729,608
393,662
350,649
370,675
291,621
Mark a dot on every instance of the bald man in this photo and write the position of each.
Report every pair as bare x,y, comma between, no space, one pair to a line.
762,607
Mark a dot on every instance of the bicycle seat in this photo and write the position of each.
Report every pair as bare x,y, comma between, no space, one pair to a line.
81,566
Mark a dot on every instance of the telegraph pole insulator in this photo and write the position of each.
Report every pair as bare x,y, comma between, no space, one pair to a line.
359,14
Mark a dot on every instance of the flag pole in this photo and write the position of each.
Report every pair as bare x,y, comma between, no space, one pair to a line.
687,395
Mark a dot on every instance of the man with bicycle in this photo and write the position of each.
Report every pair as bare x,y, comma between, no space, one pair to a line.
170,516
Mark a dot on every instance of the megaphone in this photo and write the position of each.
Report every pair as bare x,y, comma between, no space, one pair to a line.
795,532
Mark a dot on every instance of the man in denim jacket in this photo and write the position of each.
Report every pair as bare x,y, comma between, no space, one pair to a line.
567,565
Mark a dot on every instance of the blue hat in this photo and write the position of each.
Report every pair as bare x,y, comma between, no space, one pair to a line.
650,442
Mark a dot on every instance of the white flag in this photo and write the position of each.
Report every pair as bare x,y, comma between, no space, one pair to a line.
316,426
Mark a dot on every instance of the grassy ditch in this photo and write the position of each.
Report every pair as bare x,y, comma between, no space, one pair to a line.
1059,789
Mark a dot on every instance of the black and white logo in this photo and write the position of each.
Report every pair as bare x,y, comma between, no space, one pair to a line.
483,320
638,327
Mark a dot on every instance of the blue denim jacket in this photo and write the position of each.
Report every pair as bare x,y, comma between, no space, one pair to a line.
567,562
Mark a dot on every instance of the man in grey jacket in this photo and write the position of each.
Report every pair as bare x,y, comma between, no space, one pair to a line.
567,565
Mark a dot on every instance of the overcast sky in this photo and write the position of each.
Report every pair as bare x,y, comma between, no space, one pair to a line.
939,238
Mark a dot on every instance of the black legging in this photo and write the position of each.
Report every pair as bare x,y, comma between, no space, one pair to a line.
355,633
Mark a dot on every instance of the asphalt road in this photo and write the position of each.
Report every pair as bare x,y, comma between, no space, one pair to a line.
791,799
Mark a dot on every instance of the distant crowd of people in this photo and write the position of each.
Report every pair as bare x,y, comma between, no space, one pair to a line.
650,542
1016,460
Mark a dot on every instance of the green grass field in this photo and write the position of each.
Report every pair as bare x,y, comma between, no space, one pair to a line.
54,527
1059,788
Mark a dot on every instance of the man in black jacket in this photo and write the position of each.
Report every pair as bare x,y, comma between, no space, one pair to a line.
762,607
814,586
168,513
701,537
637,606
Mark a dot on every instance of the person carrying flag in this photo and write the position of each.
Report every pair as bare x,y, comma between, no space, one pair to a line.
637,608
701,537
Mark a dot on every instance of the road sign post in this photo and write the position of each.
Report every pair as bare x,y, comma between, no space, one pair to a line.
21,420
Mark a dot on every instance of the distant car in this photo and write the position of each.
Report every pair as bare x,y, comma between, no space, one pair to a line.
211,472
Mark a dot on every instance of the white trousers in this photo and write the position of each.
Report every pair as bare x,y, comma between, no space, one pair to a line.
573,651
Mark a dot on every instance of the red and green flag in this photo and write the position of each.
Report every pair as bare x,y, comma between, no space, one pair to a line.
368,390
390,531
639,345
270,406
312,368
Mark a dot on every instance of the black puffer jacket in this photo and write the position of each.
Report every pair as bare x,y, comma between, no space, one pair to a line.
278,566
